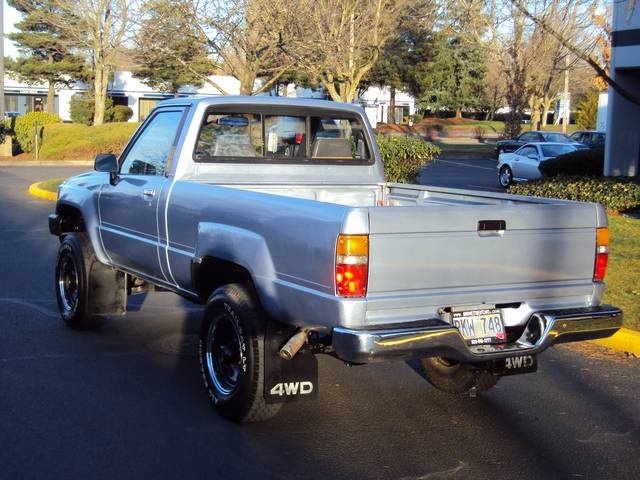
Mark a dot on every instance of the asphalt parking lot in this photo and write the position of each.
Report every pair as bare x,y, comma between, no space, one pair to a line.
465,171
127,401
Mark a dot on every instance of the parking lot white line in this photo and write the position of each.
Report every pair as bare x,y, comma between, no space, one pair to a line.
462,164
38,308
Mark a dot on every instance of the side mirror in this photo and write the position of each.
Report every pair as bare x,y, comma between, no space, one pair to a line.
108,163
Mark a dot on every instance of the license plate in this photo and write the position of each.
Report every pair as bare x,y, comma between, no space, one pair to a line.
479,327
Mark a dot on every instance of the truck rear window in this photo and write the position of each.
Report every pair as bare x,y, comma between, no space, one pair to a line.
264,138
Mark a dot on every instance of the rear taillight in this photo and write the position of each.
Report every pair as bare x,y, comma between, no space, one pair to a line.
602,254
298,138
352,265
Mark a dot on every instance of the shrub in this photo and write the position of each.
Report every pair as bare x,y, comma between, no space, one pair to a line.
615,193
122,113
416,118
587,115
404,156
81,108
24,128
580,162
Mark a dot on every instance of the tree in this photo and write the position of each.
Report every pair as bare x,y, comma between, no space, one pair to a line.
515,73
339,41
170,49
580,49
45,57
587,115
246,38
97,27
456,80
400,61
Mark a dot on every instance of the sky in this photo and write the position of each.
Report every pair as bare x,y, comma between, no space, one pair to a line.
11,16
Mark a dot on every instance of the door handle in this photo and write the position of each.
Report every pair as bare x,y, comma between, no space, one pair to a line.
148,193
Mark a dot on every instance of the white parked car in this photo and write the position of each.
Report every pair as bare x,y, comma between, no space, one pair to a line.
524,163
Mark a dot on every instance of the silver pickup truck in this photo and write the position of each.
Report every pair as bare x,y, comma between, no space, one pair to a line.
275,214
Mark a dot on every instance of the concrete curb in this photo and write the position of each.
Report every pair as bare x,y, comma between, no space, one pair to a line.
36,191
46,163
624,340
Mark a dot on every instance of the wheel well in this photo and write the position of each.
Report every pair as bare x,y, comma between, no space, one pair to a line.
70,219
214,272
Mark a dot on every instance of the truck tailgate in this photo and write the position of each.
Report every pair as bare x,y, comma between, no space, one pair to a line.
440,247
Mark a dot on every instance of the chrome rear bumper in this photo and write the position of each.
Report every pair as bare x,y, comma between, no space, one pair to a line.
436,338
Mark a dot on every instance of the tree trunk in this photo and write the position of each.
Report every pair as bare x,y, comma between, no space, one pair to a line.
534,106
100,93
458,113
546,106
246,84
51,91
51,98
391,114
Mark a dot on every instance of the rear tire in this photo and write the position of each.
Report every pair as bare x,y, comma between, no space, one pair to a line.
455,377
505,177
75,260
232,355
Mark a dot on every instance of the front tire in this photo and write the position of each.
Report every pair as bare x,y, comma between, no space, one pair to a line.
455,377
505,177
74,263
232,355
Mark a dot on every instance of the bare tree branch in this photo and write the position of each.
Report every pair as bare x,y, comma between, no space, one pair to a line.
579,53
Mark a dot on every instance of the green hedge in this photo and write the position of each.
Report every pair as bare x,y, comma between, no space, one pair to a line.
615,193
24,128
404,156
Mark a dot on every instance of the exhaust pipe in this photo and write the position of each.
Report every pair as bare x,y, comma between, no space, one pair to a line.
294,344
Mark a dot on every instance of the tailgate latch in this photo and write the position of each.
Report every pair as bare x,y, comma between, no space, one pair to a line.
491,227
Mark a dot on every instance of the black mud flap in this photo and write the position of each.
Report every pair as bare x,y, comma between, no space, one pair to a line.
288,380
515,365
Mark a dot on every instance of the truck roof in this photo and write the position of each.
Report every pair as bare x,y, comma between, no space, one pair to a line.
263,101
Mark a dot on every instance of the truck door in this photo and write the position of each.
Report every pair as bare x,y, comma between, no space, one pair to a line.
130,210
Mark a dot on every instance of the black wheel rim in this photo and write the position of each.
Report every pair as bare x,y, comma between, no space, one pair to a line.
223,355
67,282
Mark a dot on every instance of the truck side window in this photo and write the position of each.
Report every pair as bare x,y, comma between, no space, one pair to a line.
230,135
150,151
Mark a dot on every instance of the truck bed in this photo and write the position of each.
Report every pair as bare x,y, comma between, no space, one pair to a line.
427,252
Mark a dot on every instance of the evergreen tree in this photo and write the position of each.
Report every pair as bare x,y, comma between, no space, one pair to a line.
402,62
170,49
455,78
45,57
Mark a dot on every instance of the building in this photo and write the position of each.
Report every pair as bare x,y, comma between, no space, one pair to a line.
622,151
125,89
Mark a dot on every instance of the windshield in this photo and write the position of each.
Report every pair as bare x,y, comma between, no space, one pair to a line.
555,150
556,137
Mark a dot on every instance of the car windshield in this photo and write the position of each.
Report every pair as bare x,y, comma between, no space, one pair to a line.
555,150
556,137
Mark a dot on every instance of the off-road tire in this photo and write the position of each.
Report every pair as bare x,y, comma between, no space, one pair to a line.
232,354
455,377
75,260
